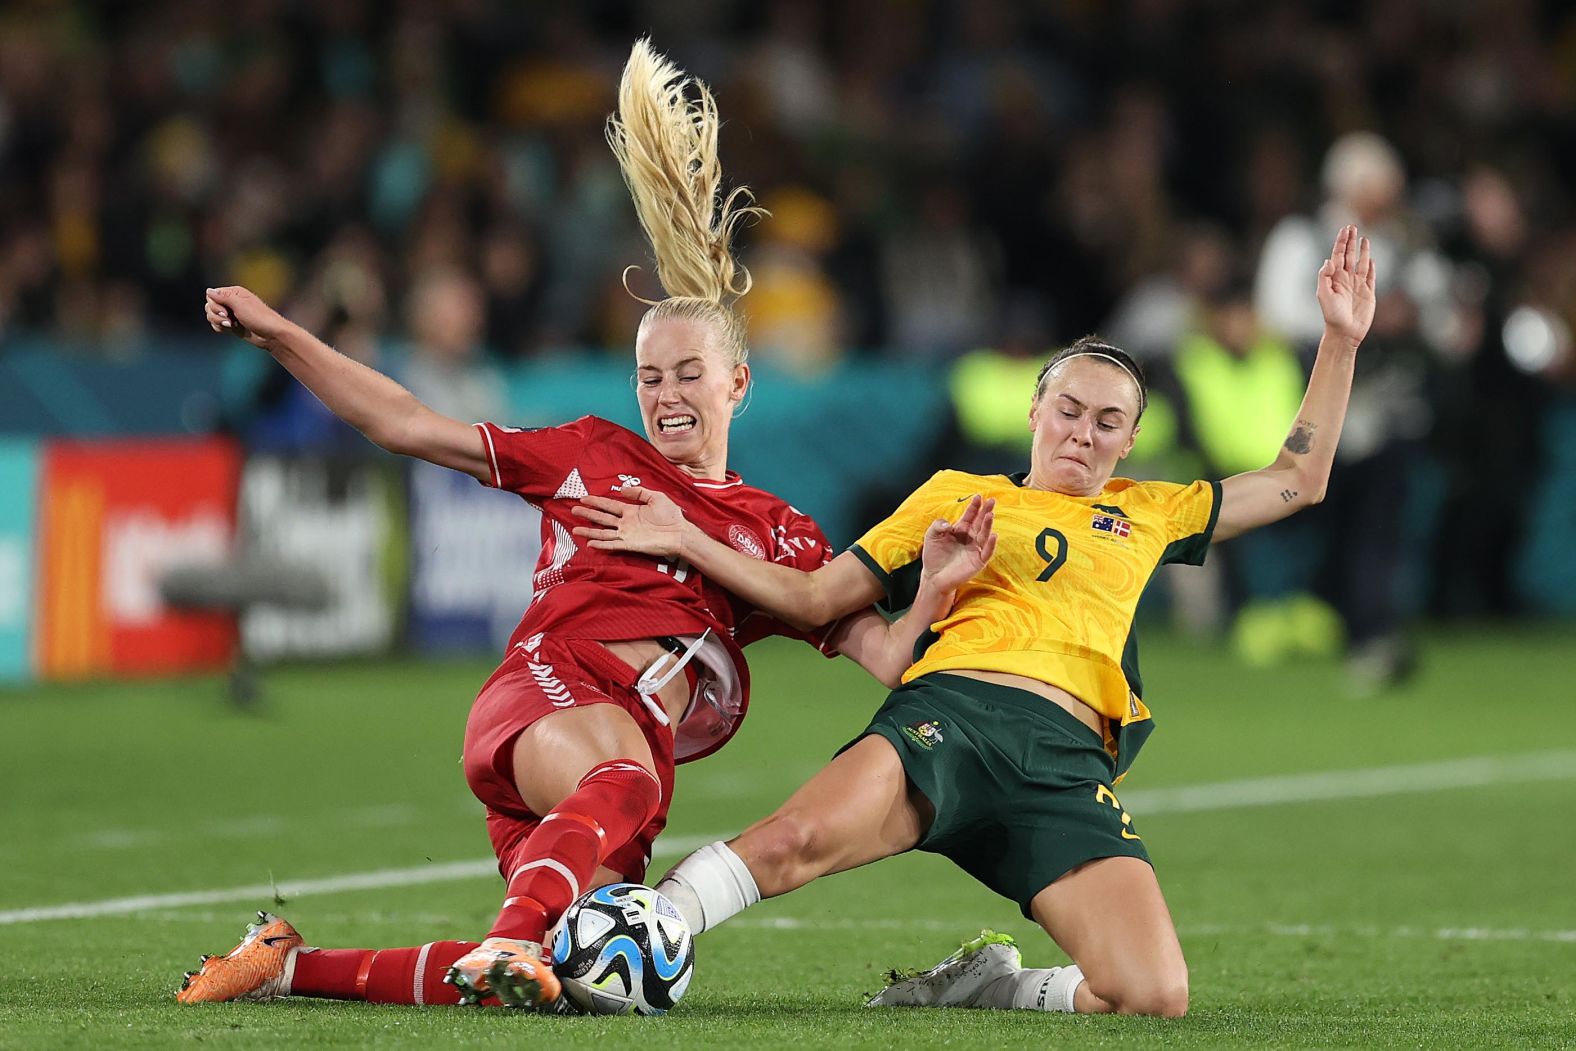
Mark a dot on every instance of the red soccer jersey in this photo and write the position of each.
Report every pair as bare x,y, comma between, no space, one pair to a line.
584,592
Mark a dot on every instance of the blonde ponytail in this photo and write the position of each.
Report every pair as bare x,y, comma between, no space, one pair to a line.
666,144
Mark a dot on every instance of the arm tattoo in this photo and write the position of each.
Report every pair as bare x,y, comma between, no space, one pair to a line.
1288,495
1301,439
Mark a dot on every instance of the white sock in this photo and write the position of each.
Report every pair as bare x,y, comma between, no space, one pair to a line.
288,978
709,886
1034,989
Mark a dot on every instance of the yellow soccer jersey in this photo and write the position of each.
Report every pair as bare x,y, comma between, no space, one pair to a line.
1056,601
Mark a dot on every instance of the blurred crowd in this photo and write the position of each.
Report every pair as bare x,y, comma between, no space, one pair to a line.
429,181
943,174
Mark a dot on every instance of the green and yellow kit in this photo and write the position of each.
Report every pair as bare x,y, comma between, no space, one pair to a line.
1056,603
1022,790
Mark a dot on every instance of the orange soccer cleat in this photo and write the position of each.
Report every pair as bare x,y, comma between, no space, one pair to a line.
259,968
514,971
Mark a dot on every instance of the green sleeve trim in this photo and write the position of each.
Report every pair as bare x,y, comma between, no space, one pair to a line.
1214,511
1192,550
900,585
871,564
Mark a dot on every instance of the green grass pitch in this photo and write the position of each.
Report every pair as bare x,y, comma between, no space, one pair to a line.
1395,872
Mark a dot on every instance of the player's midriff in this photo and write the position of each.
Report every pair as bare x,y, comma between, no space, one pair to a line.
1055,694
640,654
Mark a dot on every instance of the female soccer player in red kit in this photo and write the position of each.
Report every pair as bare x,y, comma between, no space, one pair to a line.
621,665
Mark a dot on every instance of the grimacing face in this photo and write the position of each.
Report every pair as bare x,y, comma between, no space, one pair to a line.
1083,424
687,388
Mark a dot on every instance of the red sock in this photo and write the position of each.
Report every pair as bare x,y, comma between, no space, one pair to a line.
380,976
551,866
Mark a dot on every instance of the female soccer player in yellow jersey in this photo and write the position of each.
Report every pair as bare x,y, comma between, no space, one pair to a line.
1003,745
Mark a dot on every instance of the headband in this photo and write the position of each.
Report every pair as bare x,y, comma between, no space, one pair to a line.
1142,399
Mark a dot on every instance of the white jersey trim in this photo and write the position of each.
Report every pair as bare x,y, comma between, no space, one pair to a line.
547,863
418,985
492,455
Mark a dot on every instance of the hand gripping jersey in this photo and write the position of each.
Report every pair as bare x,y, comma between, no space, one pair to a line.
610,596
1056,601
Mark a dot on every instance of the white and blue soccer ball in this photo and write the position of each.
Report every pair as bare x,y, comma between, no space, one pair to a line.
623,949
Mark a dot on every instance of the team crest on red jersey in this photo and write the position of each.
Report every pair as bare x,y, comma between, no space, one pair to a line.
744,540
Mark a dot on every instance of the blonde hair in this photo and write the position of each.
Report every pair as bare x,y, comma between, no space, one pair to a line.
666,144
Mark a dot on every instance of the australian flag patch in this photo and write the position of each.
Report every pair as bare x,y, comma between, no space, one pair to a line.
1111,524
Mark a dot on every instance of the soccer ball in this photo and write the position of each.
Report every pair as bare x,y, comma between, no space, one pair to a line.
623,949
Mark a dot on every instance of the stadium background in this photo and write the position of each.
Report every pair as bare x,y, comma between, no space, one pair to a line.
956,189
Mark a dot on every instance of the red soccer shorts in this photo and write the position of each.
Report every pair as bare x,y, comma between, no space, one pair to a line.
557,674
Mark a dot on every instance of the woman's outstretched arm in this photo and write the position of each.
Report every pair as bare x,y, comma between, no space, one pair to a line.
390,416
1298,477
647,522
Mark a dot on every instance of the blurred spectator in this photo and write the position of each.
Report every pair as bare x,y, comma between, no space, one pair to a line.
445,365
511,276
345,300
1417,322
938,278
795,310
1240,385
1485,384
1157,307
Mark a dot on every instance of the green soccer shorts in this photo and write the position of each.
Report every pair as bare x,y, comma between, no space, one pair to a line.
1021,788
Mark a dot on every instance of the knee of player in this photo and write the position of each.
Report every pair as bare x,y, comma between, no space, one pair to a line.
1158,994
1170,1001
785,840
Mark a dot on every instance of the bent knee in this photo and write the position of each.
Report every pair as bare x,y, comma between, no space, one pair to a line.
1158,996
1166,1001
784,849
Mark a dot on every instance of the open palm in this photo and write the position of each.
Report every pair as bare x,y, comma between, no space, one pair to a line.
640,520
955,551
1346,286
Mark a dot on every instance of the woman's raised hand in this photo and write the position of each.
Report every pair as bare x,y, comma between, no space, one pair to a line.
238,311
955,551
1346,287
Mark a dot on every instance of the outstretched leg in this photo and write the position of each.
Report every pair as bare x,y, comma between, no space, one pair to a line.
858,809
590,773
589,770
272,962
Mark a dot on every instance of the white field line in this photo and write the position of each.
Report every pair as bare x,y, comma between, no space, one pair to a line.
377,879
1472,772
1282,930
386,815
822,925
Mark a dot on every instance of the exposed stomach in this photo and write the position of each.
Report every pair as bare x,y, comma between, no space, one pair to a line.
640,654
1055,694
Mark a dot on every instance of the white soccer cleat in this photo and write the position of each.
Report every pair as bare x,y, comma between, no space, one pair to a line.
956,981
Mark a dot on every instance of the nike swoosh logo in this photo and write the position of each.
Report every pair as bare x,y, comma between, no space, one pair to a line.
275,938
